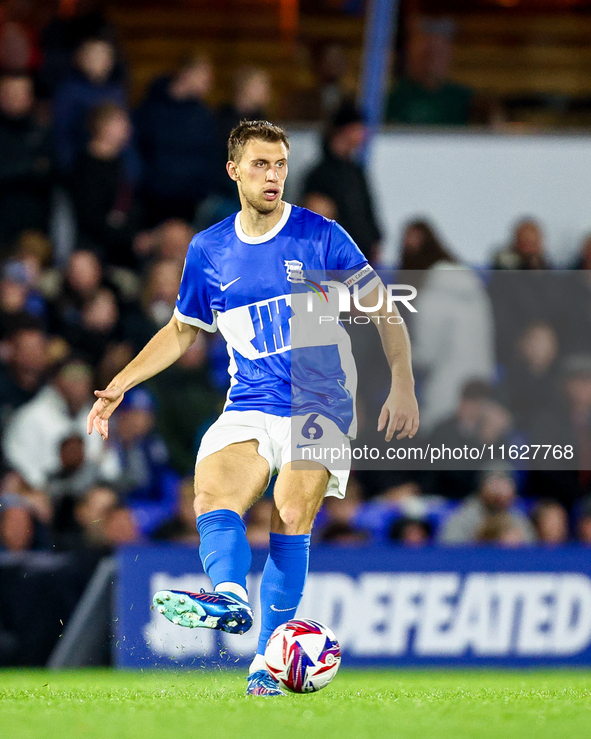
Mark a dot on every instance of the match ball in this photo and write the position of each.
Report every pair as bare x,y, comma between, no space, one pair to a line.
303,655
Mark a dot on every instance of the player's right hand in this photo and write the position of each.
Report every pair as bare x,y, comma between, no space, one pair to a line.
101,411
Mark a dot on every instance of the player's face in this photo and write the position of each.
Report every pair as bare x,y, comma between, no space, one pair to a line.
260,174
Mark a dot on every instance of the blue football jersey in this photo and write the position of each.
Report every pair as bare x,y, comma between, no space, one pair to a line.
248,288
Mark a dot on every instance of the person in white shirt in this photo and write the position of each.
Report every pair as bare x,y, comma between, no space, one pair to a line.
31,443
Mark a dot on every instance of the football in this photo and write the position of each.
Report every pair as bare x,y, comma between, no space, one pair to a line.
303,655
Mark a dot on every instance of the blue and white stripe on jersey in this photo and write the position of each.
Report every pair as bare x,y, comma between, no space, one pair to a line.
240,285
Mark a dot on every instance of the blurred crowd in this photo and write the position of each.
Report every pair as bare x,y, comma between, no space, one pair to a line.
494,364
502,357
98,203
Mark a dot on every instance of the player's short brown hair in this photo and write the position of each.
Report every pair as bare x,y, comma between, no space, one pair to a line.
247,130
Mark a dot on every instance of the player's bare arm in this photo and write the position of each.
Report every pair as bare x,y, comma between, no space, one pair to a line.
170,343
400,412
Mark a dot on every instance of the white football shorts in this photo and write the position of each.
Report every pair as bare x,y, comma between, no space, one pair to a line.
278,446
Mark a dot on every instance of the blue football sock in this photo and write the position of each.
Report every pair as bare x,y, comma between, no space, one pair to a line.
282,584
224,550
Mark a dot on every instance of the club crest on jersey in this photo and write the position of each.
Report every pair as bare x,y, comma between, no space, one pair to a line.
294,270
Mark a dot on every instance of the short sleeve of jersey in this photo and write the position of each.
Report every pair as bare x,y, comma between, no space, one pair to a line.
193,302
347,264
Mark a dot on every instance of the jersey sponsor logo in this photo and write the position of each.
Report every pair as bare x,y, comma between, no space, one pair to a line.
223,288
271,326
283,610
301,446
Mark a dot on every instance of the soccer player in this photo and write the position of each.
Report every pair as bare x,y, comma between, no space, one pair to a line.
239,277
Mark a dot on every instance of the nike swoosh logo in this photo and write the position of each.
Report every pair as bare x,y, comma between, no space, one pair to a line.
300,446
282,610
225,287
208,556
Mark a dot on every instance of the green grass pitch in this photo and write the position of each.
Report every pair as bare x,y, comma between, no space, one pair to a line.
93,704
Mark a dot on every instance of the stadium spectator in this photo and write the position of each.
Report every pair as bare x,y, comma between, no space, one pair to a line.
19,37
337,522
187,402
531,380
337,512
181,527
116,356
70,26
21,303
452,330
497,494
157,303
258,524
106,211
25,165
17,525
550,520
343,534
333,83
525,250
402,501
337,186
76,474
583,522
583,257
81,281
412,532
575,317
121,528
252,96
91,83
82,277
425,95
97,329
23,522
79,523
168,241
35,431
502,528
33,250
24,369
97,521
523,291
147,484
422,248
13,303
568,423
478,420
179,142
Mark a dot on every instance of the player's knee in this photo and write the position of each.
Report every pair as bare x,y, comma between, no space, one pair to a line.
295,518
213,497
206,501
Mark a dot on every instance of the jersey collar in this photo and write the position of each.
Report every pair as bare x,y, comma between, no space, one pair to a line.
265,237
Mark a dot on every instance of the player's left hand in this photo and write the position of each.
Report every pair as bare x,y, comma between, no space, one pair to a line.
400,413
